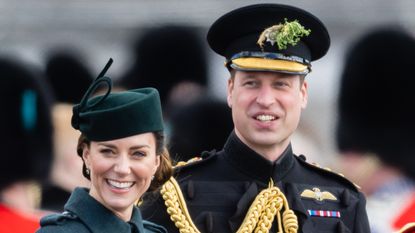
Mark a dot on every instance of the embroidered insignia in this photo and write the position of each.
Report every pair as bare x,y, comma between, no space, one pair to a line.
318,195
324,213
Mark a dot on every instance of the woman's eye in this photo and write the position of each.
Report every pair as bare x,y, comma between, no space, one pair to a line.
106,151
139,153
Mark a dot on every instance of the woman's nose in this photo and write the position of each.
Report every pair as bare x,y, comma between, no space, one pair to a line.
122,165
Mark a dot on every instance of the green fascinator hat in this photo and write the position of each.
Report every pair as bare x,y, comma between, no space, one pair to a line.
117,115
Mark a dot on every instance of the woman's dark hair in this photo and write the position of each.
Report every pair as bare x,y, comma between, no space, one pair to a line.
164,171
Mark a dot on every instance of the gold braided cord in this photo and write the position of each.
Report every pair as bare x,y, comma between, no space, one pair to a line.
176,207
259,218
275,201
254,212
290,221
273,206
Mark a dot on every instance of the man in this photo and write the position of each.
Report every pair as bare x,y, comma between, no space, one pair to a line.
256,183
69,78
408,228
26,142
375,127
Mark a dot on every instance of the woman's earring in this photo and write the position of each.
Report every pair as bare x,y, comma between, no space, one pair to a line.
152,177
139,202
87,171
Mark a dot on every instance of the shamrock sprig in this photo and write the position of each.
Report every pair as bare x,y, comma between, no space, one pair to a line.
289,33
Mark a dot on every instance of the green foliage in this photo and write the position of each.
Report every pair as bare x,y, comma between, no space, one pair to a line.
289,33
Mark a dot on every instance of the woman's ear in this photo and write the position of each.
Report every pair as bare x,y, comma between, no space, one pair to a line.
86,156
158,158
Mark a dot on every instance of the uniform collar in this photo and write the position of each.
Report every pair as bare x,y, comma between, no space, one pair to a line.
253,164
97,217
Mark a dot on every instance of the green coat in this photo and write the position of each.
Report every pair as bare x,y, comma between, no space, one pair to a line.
83,214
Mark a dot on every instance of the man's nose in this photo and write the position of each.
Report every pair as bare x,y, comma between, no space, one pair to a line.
265,96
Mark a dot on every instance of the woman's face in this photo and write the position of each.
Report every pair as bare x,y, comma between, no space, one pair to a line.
121,171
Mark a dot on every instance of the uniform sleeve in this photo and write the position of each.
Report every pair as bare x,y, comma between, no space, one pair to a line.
154,210
362,222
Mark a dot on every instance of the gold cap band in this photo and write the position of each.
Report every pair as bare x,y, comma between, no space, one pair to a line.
255,63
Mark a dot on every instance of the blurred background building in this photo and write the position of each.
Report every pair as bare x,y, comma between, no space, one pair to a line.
101,29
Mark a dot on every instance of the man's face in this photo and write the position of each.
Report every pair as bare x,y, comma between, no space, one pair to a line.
266,107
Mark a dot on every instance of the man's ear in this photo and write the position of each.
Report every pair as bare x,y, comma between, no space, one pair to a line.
229,91
304,93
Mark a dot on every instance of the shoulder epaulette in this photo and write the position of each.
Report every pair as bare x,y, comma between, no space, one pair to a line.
313,165
57,219
205,156
184,163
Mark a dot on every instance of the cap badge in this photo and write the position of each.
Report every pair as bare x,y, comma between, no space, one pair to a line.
283,35
318,195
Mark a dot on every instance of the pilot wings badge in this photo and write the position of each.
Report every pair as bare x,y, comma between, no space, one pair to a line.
318,195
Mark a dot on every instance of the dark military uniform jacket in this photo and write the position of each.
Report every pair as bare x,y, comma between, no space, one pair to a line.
220,188
83,214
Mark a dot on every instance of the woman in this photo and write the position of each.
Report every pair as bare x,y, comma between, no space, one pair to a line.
122,147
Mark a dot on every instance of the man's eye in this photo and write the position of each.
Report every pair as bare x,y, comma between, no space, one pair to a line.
280,84
250,84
